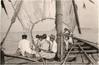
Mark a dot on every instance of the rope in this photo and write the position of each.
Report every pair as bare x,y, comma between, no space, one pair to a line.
20,20
12,21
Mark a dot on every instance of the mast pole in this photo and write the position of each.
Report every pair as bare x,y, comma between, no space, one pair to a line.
59,28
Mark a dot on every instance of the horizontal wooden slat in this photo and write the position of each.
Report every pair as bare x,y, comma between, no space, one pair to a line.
21,57
87,42
87,51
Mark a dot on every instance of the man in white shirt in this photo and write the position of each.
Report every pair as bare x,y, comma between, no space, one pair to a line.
53,44
45,46
67,38
25,46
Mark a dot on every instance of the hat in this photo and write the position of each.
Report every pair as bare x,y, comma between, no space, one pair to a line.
52,36
24,36
44,36
65,28
37,36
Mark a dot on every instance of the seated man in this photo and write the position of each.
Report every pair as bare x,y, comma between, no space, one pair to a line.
37,42
53,44
48,48
24,47
67,38
44,44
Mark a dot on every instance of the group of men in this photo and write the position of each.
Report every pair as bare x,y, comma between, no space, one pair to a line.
44,46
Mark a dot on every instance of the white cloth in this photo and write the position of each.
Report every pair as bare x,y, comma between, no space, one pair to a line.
25,46
66,32
37,42
47,55
70,40
53,46
44,44
67,43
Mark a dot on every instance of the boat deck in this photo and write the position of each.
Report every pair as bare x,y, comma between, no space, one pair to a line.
81,53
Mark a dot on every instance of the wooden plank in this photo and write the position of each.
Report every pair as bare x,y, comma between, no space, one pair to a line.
67,55
78,59
87,47
49,63
86,55
21,57
92,57
95,57
59,26
85,60
87,42
87,51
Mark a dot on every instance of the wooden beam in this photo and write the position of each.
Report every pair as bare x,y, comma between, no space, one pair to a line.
86,55
76,16
86,47
87,51
59,27
87,42
20,57
67,55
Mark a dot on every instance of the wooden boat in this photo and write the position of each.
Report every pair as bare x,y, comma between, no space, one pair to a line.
82,52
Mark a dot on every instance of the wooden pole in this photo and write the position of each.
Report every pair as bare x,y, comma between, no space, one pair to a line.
20,57
64,61
87,55
59,27
76,16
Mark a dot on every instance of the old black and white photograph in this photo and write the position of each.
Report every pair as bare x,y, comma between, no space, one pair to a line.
49,32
